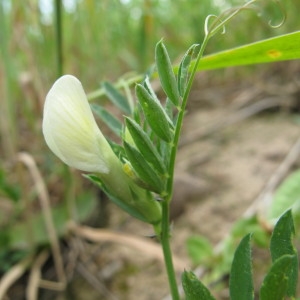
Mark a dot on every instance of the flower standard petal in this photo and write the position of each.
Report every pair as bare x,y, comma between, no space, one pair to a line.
70,129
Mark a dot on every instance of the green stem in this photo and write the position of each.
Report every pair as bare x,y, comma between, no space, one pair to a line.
165,242
165,234
165,228
101,92
59,40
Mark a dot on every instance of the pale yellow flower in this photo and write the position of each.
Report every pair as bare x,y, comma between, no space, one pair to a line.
72,134
70,129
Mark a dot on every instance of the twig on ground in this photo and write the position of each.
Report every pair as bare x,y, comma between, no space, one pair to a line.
146,247
35,276
45,204
95,282
234,117
262,202
11,276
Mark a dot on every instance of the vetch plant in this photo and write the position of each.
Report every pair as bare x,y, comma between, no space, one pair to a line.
138,174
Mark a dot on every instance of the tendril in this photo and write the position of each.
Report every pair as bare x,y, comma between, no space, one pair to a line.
219,22
209,28
283,12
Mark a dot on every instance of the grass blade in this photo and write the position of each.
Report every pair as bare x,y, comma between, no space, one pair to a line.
280,48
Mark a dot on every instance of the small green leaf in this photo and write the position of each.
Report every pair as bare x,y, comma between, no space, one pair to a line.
166,74
194,289
287,195
251,224
113,123
145,145
10,190
143,169
154,114
116,97
199,249
275,284
17,232
241,282
148,87
281,244
281,240
183,71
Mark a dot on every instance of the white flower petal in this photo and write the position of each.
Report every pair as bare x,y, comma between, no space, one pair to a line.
70,129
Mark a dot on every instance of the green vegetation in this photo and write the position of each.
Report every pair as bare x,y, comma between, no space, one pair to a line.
104,42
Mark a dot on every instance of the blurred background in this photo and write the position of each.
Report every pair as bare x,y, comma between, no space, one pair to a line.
97,41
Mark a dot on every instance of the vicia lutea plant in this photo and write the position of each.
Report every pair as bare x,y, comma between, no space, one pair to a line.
138,174
71,132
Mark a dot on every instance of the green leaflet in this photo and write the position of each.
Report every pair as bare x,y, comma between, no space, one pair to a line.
116,97
183,71
281,244
148,87
275,284
194,289
113,123
9,190
166,74
143,169
154,114
241,282
200,250
286,196
145,145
